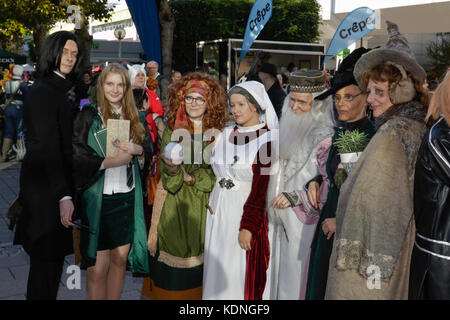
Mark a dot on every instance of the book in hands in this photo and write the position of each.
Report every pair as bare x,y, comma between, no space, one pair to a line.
117,131
100,137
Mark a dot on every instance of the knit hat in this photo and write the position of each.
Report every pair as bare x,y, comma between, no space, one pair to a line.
134,70
307,81
17,72
396,51
344,75
198,86
269,68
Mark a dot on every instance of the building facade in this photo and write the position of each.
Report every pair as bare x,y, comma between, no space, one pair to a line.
421,21
106,47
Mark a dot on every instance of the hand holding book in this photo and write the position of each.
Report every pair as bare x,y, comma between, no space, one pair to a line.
130,147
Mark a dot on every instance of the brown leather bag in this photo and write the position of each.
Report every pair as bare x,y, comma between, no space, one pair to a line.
152,183
160,197
13,213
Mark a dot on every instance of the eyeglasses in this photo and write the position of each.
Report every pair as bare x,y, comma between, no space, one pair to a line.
346,98
199,100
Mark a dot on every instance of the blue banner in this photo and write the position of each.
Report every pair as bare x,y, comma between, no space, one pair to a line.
355,25
259,15
145,18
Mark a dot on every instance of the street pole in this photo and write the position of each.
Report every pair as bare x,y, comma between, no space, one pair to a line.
119,33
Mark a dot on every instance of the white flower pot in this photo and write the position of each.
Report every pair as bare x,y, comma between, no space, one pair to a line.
349,160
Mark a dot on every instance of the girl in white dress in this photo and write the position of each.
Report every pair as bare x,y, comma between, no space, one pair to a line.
236,236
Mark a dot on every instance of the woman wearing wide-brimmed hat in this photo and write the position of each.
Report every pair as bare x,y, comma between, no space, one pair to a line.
374,218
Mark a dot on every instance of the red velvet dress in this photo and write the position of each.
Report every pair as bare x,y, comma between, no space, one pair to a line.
253,218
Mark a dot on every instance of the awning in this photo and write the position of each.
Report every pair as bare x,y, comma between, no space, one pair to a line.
7,58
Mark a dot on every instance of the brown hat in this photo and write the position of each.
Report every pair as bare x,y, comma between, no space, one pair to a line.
396,51
308,81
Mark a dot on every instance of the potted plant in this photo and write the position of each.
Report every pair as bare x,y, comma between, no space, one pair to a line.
350,145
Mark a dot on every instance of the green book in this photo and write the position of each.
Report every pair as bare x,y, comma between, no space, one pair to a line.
100,137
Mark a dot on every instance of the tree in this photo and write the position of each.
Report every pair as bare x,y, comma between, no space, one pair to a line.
98,10
22,16
292,20
439,52
38,17
167,22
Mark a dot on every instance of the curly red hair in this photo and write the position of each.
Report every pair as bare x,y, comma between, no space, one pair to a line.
216,112
152,84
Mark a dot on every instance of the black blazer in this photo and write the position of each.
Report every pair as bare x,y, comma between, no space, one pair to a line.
45,176
430,261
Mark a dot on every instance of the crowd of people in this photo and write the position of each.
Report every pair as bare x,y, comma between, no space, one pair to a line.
242,194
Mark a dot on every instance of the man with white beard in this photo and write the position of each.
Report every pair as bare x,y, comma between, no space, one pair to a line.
306,127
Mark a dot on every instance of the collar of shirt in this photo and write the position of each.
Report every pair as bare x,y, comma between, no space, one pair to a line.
59,74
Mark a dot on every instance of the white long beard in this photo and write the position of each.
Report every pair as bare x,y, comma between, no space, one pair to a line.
298,131
298,136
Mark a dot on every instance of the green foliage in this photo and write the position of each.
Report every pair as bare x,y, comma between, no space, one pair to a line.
21,17
202,20
293,20
439,52
351,141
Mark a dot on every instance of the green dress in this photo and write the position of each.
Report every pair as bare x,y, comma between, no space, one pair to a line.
178,262
321,247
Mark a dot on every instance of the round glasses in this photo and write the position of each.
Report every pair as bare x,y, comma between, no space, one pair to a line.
199,100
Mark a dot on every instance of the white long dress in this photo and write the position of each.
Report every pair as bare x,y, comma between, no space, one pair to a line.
224,260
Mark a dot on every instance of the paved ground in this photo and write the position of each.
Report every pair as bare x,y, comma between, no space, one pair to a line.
14,262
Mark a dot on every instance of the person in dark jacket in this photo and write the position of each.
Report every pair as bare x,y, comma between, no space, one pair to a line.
46,188
430,260
16,90
351,106
110,183
268,76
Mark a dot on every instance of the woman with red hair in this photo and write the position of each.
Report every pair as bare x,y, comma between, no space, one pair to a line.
196,110
374,216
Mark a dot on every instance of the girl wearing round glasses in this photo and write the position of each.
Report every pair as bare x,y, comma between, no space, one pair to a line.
196,105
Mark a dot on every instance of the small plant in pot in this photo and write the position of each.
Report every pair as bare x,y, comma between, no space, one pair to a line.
350,145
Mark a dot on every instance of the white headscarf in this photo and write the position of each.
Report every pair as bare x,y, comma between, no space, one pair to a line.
258,92
134,70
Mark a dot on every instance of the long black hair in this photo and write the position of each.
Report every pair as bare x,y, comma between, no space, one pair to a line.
52,51
139,96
